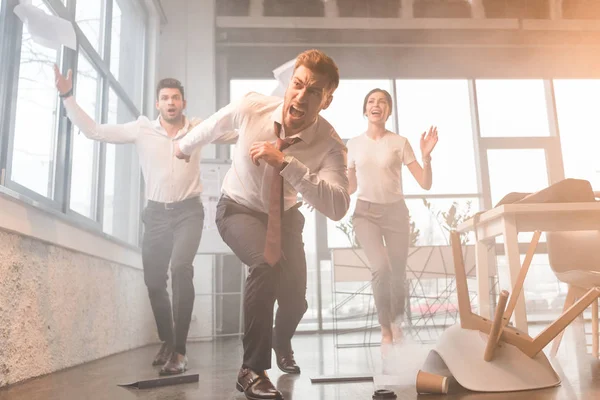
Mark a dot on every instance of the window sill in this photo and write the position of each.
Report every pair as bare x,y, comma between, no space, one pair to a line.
27,217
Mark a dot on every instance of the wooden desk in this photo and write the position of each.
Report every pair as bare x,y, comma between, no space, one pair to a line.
510,219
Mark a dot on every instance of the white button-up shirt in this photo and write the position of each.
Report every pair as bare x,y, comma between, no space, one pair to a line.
167,179
316,165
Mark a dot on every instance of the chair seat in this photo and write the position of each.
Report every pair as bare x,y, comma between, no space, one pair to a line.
581,278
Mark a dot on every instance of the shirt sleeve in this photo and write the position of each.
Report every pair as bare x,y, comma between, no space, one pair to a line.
351,154
408,155
222,127
327,189
110,133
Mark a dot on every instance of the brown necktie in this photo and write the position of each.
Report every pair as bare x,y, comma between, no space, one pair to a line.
272,252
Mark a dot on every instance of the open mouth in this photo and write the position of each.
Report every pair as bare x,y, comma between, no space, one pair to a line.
376,113
294,112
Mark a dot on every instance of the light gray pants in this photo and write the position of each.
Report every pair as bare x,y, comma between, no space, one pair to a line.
382,230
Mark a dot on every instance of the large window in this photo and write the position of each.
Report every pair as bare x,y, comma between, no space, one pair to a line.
431,219
121,178
445,104
89,17
336,237
35,130
310,319
544,294
577,105
96,184
516,170
509,108
512,149
127,47
345,112
85,151
420,104
520,108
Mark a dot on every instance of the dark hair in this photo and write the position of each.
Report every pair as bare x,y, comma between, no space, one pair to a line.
388,97
317,61
170,83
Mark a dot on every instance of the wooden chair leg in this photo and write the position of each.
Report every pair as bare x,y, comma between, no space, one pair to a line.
595,337
462,289
518,287
569,300
552,331
497,327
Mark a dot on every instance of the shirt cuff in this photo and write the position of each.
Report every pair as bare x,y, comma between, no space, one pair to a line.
68,101
294,171
184,147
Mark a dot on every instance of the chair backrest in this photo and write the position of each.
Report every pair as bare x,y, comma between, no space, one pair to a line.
572,251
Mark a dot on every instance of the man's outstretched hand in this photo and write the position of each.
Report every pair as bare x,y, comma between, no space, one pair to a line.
63,84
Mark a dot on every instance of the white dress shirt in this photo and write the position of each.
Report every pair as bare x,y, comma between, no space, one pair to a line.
316,165
167,179
378,164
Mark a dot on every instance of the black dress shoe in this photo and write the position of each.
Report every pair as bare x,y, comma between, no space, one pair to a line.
177,364
163,354
285,361
256,386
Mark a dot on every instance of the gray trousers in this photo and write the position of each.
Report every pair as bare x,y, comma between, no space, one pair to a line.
383,231
172,236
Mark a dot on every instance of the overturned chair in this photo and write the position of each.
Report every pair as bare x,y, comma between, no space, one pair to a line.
575,259
493,356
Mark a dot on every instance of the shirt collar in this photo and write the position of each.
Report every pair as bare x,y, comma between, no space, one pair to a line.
182,131
307,135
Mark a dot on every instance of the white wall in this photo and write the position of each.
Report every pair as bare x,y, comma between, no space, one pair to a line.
67,296
187,52
155,18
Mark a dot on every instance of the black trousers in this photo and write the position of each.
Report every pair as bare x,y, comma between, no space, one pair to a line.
172,235
244,231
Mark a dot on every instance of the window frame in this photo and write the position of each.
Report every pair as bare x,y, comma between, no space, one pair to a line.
10,49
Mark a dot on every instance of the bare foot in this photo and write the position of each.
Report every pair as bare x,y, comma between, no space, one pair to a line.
397,333
387,336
